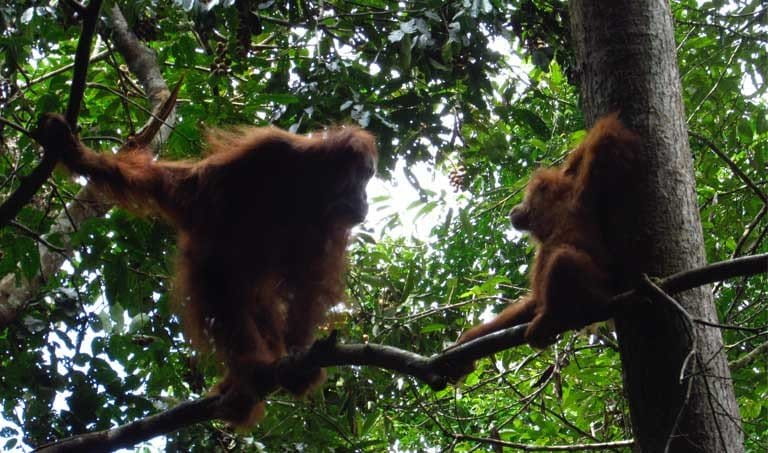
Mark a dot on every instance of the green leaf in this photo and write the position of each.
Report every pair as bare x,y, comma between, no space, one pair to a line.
277,98
532,120
435,327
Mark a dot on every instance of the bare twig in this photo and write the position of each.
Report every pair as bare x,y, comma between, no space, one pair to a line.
725,326
719,80
654,291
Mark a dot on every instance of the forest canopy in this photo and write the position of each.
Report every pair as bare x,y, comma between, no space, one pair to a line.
466,98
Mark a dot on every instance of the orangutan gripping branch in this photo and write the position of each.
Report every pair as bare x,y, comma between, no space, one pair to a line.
566,210
263,223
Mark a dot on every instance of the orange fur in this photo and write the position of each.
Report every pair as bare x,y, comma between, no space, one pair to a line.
263,224
566,210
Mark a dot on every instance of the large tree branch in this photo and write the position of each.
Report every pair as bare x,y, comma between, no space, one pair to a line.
723,270
88,203
141,60
615,445
747,358
715,272
433,371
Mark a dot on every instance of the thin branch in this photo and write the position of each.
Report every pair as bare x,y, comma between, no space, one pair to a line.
732,165
143,64
13,125
760,238
442,308
717,82
98,57
32,182
82,57
655,292
759,37
749,229
29,186
528,447
726,326
36,236
157,119
747,358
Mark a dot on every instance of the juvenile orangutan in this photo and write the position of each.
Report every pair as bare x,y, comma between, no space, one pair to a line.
566,209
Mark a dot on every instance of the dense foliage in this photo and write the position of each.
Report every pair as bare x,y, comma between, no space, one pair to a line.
465,96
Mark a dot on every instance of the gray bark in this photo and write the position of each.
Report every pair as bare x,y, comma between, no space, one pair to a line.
627,62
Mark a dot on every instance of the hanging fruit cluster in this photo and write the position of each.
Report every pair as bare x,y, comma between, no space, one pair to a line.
220,65
458,178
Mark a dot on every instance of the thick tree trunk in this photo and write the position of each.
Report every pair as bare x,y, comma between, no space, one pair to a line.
627,62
